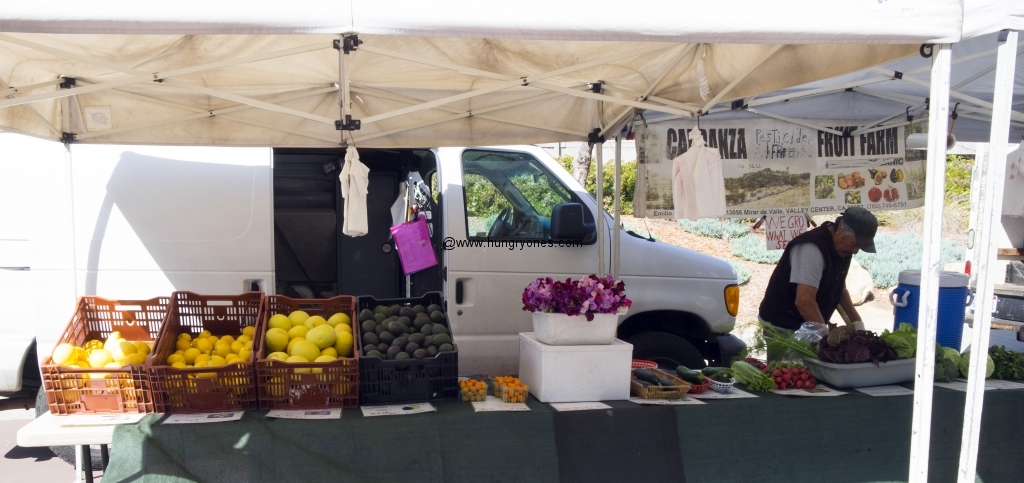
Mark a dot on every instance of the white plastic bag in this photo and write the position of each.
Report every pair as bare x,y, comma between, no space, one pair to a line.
811,332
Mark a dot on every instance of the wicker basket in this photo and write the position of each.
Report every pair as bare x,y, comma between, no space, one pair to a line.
231,387
721,387
700,388
332,384
660,392
124,390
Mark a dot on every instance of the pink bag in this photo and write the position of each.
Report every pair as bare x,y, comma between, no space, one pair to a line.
415,251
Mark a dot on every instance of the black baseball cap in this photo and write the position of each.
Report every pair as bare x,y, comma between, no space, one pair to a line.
864,225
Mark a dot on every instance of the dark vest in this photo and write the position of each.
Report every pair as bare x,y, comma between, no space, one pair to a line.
779,305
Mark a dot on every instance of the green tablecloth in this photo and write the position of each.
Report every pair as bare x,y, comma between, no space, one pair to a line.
851,438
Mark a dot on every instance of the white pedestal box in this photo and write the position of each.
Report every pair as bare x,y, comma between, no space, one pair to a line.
576,373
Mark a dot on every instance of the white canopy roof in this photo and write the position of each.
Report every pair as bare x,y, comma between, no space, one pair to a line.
430,74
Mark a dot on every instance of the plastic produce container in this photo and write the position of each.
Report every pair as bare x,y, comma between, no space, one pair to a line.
575,373
954,297
865,374
562,329
125,390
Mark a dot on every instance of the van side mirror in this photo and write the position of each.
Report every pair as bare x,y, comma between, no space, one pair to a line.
568,223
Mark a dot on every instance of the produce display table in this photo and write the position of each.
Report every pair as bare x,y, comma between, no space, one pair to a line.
47,430
854,437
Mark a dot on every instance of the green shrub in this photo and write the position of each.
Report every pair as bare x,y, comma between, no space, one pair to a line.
958,179
754,249
895,253
742,274
715,227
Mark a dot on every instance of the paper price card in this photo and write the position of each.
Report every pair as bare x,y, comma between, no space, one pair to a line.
332,413
818,391
496,404
581,406
892,390
101,419
397,409
734,394
666,402
204,417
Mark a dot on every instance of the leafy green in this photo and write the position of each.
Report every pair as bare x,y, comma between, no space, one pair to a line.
965,364
946,364
903,341
783,346
754,379
1009,364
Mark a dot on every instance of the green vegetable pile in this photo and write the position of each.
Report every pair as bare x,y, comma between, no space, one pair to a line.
903,341
1008,364
965,364
947,363
751,377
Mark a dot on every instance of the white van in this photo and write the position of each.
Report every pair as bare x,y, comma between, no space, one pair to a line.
135,222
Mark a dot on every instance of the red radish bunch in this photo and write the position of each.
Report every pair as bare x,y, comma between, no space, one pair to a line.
757,364
790,375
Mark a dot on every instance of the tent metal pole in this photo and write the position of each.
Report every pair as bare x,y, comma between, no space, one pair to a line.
14,90
343,89
139,75
746,73
795,121
920,436
976,55
477,112
815,92
963,97
599,185
31,110
618,203
642,97
878,123
248,101
993,172
278,127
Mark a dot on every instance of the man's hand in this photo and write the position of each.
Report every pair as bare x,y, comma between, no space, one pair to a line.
807,305
846,302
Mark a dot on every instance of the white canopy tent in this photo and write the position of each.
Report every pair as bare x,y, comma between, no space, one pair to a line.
458,73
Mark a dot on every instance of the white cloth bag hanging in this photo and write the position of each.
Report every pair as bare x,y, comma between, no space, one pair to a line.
1013,184
354,179
698,187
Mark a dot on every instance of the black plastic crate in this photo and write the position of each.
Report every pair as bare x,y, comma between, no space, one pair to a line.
406,381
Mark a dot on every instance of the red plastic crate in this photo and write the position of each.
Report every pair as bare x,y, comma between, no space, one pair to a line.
331,385
124,390
194,390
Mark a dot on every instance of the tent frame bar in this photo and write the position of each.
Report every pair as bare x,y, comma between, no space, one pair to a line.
746,73
798,122
12,90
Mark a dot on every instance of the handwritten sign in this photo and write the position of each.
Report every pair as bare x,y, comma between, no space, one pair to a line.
779,230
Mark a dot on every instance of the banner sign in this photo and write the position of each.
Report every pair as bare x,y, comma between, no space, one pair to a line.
773,167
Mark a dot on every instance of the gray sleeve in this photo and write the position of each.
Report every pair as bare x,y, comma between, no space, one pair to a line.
806,264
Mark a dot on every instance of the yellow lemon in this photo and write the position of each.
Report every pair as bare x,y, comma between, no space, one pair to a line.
292,343
339,318
277,339
204,334
231,358
343,344
201,359
305,349
222,349
280,321
183,344
203,345
186,336
180,352
330,351
298,331
243,338
216,361
298,317
299,370
243,354
142,347
213,340
227,339
84,364
314,321
190,355
325,359
65,354
135,358
280,356
247,345
100,358
112,365
249,331
342,328
171,359
127,348
236,346
323,336
178,364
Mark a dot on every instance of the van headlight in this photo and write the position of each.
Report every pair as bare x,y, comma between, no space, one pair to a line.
732,299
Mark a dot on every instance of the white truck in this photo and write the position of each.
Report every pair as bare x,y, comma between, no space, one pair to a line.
135,222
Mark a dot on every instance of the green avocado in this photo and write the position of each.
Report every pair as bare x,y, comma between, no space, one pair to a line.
382,347
420,354
393,351
436,316
402,356
379,318
376,354
446,348
433,308
396,328
395,309
427,329
380,329
407,312
405,321
412,347
431,351
386,337
369,325
370,338
365,314
418,309
400,342
417,338
441,339
439,329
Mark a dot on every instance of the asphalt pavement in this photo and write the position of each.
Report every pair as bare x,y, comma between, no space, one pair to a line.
21,464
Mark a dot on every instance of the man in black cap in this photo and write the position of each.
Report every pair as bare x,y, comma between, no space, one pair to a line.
810,280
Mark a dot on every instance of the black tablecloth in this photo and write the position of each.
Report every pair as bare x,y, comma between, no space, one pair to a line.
850,438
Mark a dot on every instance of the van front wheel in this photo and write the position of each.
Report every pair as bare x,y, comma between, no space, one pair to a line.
668,350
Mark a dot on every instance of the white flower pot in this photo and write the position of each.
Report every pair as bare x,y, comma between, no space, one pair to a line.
562,329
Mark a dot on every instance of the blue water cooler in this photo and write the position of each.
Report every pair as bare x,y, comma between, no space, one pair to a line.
954,297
